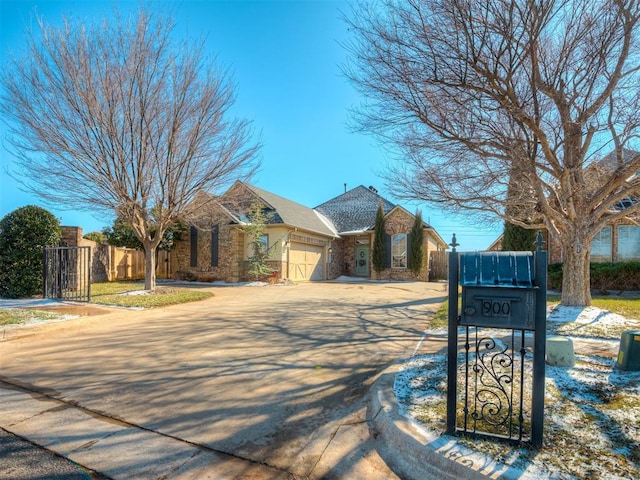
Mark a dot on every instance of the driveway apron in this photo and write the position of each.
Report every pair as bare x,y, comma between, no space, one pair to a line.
268,375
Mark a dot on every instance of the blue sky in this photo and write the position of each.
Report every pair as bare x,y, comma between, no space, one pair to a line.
285,57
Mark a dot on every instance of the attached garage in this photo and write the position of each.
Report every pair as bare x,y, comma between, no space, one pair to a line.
306,262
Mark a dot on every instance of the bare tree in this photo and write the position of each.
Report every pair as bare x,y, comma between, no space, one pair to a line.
471,92
118,117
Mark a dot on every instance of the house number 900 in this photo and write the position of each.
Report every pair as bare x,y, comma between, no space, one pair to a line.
496,308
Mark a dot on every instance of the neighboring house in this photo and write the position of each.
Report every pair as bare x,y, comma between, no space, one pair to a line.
617,242
303,243
620,240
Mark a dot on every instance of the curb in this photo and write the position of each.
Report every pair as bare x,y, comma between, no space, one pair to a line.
414,453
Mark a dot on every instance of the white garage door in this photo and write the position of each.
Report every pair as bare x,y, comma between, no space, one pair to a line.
306,262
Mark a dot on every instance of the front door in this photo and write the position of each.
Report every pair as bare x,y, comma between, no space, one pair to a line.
362,261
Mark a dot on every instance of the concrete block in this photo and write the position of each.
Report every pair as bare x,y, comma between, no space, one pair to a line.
560,351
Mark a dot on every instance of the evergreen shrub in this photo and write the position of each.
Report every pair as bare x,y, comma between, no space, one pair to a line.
23,235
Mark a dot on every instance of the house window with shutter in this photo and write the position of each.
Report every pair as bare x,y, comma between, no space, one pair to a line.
628,243
264,244
601,246
399,250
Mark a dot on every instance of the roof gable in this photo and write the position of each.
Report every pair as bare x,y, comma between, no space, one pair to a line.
292,213
355,210
610,161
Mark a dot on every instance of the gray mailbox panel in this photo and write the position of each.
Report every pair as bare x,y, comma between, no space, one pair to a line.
498,289
500,307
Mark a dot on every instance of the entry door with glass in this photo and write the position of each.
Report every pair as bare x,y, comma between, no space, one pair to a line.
362,261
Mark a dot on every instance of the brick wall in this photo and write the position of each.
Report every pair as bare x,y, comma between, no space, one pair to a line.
229,246
72,237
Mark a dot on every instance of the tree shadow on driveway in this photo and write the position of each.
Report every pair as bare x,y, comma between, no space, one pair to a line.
262,379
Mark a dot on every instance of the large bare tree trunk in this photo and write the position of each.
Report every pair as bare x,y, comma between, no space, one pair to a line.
150,266
576,276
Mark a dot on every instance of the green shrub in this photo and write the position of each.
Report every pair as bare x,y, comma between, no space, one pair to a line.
605,277
554,276
23,235
97,237
185,275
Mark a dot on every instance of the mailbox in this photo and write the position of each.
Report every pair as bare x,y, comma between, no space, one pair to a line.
505,291
498,289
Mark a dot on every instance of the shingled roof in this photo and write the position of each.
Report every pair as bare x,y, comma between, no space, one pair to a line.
355,210
293,214
610,161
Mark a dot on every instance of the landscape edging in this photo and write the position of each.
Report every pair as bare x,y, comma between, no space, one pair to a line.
414,453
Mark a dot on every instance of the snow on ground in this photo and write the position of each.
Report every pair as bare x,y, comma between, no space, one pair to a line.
585,315
592,412
27,302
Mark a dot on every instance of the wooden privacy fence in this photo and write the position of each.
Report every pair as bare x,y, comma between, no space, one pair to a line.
438,265
126,263
129,264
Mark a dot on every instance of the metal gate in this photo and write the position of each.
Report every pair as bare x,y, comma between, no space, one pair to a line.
67,273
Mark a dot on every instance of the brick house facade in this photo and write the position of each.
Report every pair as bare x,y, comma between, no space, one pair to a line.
322,243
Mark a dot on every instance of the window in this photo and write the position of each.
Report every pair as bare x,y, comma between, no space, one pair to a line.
628,243
264,244
399,250
601,246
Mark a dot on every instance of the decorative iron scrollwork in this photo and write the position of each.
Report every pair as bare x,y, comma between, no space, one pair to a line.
494,389
492,367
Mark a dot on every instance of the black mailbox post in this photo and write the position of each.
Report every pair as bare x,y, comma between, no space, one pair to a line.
502,316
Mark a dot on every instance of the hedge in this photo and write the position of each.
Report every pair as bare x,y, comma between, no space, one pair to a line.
605,277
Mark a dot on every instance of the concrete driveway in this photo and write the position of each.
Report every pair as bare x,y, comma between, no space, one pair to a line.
274,377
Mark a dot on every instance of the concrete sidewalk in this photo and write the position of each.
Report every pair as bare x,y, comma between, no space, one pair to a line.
115,448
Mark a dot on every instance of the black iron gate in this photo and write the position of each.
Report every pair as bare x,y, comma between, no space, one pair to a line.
496,374
67,273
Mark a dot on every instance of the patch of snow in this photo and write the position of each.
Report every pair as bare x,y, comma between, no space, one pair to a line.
136,292
592,414
585,315
27,302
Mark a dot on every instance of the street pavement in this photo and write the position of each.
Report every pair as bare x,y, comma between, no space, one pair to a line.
22,460
256,382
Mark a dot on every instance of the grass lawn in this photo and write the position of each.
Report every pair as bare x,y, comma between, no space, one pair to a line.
14,316
132,294
120,294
